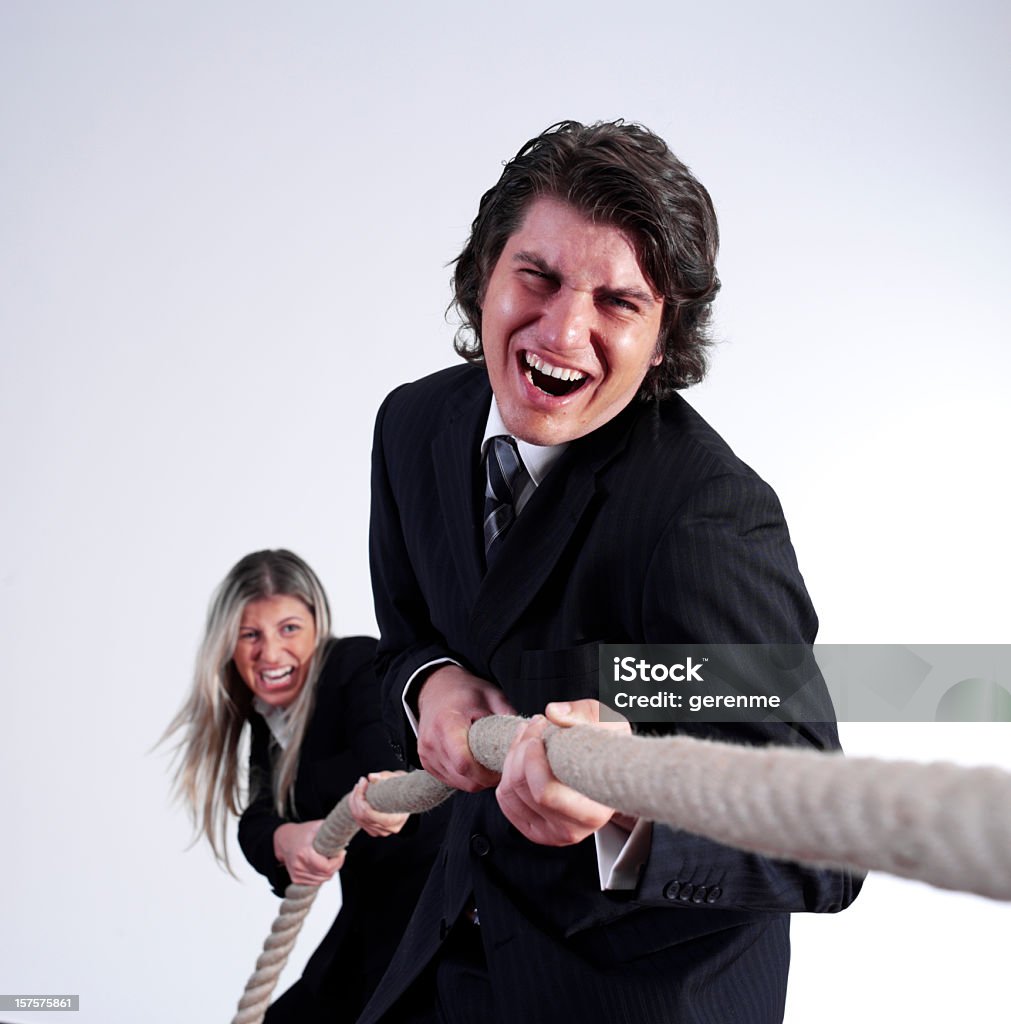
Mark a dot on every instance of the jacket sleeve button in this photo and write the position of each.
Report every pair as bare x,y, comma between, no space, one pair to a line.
670,890
714,894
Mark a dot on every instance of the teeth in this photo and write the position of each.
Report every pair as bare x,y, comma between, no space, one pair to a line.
276,674
549,370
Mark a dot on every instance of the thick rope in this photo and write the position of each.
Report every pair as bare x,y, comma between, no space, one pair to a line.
413,793
939,823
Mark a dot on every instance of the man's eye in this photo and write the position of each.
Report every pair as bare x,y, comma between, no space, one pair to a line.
620,303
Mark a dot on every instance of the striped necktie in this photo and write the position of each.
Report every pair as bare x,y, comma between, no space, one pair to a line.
506,490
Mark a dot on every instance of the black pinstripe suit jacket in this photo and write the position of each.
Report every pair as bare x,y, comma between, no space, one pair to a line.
648,530
381,878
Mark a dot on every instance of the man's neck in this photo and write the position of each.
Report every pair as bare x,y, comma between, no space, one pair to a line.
538,459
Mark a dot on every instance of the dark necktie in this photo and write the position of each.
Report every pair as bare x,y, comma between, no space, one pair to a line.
507,485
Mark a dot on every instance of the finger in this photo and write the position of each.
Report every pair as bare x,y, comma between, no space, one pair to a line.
333,865
360,801
358,794
388,824
376,828
445,753
380,823
513,793
545,798
375,823
536,802
361,809
556,800
355,800
563,713
312,877
312,860
585,712
324,867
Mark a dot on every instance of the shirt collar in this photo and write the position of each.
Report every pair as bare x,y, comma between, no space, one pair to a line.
538,459
277,721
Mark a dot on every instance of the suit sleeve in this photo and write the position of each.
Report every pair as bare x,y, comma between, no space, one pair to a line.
725,572
408,640
259,821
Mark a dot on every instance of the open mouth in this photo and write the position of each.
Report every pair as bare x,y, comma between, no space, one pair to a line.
552,380
276,678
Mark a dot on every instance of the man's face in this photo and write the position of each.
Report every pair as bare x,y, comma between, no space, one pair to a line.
569,325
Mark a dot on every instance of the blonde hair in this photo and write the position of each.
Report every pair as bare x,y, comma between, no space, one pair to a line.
209,774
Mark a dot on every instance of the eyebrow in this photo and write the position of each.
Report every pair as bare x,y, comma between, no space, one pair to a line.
638,294
288,618
531,257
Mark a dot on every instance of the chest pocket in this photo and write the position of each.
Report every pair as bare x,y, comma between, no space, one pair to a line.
568,673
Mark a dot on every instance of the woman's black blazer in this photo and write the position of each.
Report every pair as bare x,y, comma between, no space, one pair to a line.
381,878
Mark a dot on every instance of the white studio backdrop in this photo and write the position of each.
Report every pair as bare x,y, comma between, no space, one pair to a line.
224,230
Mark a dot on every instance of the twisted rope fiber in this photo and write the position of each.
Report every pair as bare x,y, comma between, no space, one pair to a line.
413,793
939,823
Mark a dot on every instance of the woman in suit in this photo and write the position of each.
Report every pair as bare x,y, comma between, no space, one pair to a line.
268,660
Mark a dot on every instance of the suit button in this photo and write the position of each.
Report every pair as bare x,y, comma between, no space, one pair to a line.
686,892
699,896
714,894
480,845
398,750
670,890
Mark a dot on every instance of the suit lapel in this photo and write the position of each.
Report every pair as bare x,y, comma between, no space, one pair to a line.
455,453
533,546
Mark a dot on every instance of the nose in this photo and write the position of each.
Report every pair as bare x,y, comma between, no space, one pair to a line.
568,320
270,649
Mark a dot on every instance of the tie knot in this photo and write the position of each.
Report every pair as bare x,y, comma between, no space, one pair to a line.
505,467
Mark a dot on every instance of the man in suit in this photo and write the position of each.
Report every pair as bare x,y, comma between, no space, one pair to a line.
554,494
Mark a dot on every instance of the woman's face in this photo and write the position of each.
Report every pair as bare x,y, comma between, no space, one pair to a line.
277,637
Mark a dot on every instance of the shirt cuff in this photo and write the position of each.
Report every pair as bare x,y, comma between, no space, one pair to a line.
621,855
410,695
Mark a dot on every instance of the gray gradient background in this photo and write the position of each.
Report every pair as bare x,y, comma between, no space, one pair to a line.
224,236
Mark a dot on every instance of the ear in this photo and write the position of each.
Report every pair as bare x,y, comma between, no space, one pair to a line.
657,353
666,331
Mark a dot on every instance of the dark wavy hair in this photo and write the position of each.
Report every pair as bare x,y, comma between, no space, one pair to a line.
618,174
